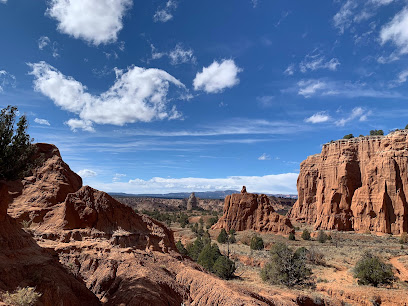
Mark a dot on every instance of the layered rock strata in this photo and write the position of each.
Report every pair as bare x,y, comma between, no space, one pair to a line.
248,211
358,184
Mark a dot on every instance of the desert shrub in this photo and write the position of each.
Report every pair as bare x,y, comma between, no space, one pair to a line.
322,237
16,150
231,236
315,257
246,239
180,247
306,235
371,270
212,221
376,132
292,236
224,267
348,136
194,249
403,238
223,236
182,219
208,256
256,243
22,297
206,238
285,267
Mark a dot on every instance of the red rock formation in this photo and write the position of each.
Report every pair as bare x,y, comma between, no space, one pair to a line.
23,263
248,211
356,184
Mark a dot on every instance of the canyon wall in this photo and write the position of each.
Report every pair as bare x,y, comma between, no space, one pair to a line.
357,184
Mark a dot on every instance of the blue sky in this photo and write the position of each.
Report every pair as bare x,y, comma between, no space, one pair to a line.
163,96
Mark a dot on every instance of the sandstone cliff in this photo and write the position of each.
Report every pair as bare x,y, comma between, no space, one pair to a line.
356,184
102,251
248,211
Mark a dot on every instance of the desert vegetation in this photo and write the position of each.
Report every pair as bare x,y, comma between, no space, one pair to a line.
26,296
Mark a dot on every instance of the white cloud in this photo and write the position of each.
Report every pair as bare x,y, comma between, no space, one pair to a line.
264,156
165,14
275,183
313,87
290,70
310,87
85,173
317,61
396,31
254,3
3,1
402,77
138,94
6,80
41,121
357,113
180,56
356,11
44,42
95,21
319,117
218,76
177,56
78,124
118,176
265,101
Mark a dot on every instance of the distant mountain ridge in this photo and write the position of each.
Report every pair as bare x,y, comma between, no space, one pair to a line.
202,195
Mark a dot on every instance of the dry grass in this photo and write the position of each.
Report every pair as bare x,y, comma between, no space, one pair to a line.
22,297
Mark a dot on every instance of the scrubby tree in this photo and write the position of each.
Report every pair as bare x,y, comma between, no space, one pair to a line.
322,237
224,267
376,132
256,243
183,219
223,236
292,236
406,127
371,270
306,235
403,238
348,136
231,236
208,256
194,249
285,267
16,150
180,247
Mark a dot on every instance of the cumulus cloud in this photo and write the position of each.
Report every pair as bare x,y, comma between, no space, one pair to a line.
85,173
317,61
41,121
165,14
396,31
6,80
95,21
218,76
357,113
138,94
275,183
264,156
319,117
118,176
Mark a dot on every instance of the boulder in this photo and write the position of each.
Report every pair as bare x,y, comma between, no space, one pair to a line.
248,211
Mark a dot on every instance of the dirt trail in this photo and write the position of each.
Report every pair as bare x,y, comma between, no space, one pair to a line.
401,269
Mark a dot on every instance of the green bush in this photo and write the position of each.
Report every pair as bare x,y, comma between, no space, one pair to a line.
285,267
376,132
22,297
183,219
224,267
223,236
180,247
208,256
371,270
292,236
403,238
194,249
322,237
16,150
306,235
231,236
256,243
348,136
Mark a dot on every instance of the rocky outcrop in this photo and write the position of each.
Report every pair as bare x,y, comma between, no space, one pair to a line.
358,184
192,202
24,263
248,211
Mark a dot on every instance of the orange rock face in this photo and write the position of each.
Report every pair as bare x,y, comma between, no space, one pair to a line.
356,184
248,211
